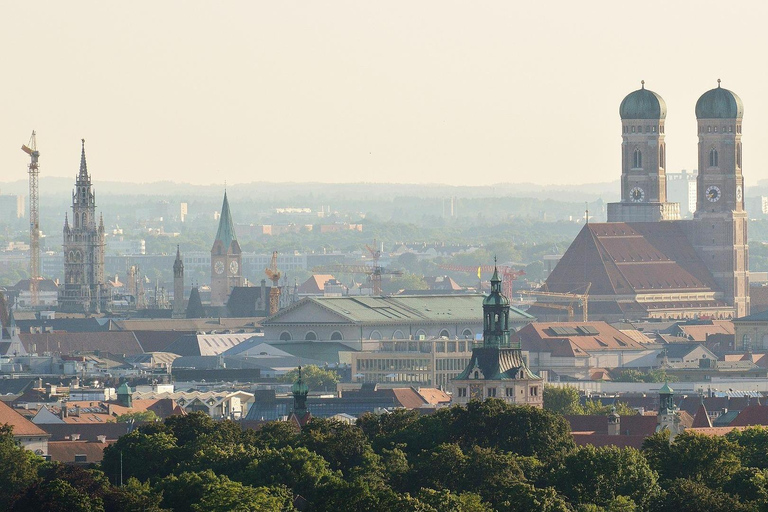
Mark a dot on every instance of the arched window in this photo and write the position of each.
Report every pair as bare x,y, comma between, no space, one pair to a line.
398,335
375,335
637,159
445,334
285,336
662,156
336,336
467,334
83,223
738,155
310,336
421,332
713,157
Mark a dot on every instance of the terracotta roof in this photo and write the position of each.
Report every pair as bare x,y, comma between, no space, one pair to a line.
632,258
434,396
79,342
598,440
751,415
701,419
65,451
21,425
408,398
315,285
713,431
574,339
636,425
700,332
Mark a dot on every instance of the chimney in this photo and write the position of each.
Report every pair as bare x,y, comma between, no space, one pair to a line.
101,439
74,437
77,411
614,423
64,410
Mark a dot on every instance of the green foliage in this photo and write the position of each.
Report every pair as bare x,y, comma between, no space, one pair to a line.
754,446
18,467
655,375
686,495
314,377
140,456
138,417
566,400
612,471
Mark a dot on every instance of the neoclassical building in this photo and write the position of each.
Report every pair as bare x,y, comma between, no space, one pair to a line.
647,263
84,288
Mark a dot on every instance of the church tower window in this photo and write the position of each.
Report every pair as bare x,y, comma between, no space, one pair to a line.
637,159
713,159
738,155
662,156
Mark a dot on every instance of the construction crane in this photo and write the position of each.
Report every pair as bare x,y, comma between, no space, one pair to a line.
374,272
274,293
34,219
581,298
508,274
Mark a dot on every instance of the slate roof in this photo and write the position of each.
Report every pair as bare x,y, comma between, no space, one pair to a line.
680,350
366,310
14,386
189,325
88,431
244,300
621,258
114,342
21,425
756,317
497,364
158,341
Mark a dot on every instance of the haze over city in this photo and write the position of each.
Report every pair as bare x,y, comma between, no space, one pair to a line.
415,92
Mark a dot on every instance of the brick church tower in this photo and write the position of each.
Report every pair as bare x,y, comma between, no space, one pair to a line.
226,267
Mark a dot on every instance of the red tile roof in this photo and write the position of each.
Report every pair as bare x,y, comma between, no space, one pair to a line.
598,440
751,415
21,425
701,420
434,396
113,342
408,398
544,337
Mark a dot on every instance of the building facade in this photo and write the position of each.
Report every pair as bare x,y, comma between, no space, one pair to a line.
84,288
497,368
226,263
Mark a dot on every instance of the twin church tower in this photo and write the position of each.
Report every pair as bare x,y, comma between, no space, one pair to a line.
718,231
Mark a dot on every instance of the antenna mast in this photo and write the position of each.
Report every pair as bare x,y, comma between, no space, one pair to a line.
34,219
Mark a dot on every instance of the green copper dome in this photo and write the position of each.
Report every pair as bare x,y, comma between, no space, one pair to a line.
496,298
666,390
719,103
643,104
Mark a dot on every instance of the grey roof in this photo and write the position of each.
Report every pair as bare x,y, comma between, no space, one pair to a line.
680,350
643,104
756,317
497,364
719,103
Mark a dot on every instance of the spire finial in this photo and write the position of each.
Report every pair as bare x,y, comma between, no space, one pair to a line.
642,84
718,83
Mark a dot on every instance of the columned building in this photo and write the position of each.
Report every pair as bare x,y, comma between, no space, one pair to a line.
497,369
84,288
226,265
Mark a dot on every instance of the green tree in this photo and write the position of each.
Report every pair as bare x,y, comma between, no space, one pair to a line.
685,495
141,456
138,417
754,445
447,501
343,446
229,496
57,496
18,467
611,471
562,400
314,377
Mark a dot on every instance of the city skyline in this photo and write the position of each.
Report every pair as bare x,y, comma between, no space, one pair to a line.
345,92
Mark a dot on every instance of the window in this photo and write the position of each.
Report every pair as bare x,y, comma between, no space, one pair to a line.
467,334
398,335
653,129
491,392
461,392
336,336
713,157
662,155
445,334
375,335
310,336
637,159
509,391
746,342
633,129
534,391
285,336
738,155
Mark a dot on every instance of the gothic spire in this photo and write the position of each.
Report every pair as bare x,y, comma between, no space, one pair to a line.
226,232
83,176
66,222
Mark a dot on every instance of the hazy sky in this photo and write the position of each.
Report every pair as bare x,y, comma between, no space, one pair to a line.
394,91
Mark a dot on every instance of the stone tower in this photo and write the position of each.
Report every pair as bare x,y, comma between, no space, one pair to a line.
226,271
497,369
643,161
719,229
178,286
84,288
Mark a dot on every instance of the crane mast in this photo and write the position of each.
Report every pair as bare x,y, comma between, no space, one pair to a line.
34,220
274,293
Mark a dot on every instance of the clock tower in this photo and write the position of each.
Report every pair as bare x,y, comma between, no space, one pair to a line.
643,161
226,271
719,231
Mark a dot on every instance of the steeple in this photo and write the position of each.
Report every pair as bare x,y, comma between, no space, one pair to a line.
178,265
83,176
300,391
496,332
66,222
226,232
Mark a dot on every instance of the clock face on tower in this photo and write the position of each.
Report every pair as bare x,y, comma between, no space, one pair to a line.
739,193
636,195
219,267
233,267
712,193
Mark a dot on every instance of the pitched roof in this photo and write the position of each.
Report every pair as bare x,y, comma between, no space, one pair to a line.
699,332
244,300
114,342
408,398
434,396
621,258
599,440
365,310
639,425
701,420
21,425
65,451
315,284
44,285
206,344
680,350
574,339
751,415
497,364
87,431
226,231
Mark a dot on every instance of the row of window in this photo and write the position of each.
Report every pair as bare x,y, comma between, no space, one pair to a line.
376,335
639,129
723,129
310,336
637,157
491,392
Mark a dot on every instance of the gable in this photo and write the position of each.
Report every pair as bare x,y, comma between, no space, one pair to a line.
304,312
